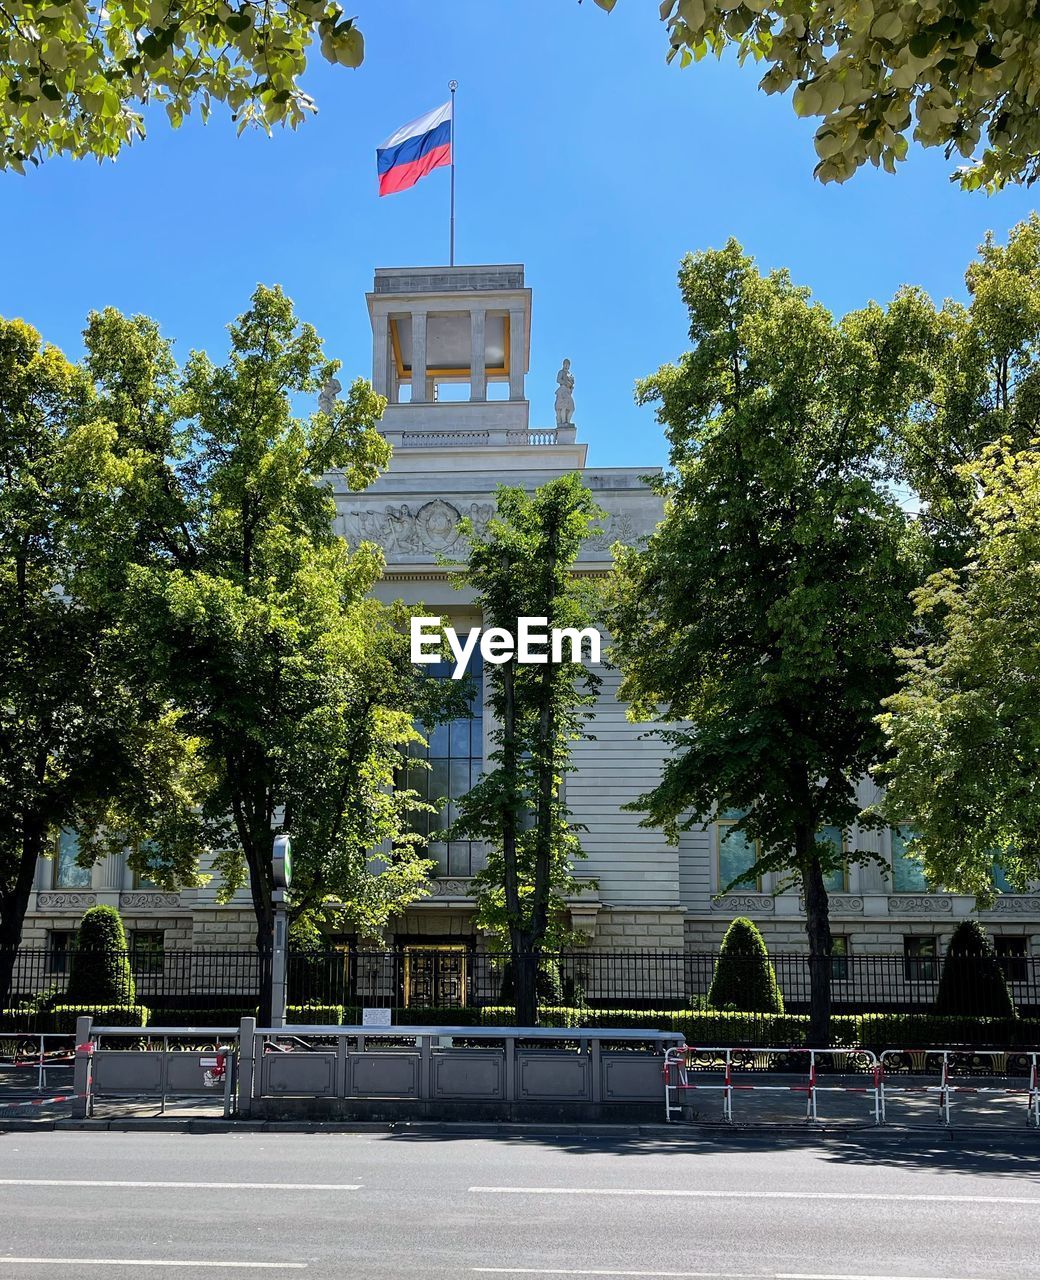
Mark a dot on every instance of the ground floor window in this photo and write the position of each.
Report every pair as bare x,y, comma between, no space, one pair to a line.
146,950
839,957
1012,952
60,945
920,959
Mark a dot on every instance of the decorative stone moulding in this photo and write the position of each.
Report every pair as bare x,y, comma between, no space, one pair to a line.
920,904
141,900
759,903
840,904
1019,904
450,888
65,901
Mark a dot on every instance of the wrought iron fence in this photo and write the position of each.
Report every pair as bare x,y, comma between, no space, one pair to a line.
411,979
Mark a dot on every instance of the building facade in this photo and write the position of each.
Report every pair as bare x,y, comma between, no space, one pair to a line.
451,354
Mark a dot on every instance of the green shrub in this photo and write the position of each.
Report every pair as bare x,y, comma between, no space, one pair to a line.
972,981
924,1031
195,1017
744,979
63,1016
315,1015
100,971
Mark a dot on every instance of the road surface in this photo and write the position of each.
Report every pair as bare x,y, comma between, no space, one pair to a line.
430,1204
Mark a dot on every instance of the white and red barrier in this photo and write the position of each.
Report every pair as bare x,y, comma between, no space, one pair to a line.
39,1059
946,1086
683,1061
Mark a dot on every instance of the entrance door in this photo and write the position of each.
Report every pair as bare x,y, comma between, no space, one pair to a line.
435,976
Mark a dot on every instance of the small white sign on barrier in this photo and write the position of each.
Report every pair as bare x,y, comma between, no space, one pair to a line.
375,1017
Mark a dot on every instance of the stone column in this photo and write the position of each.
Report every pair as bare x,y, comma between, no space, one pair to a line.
380,350
477,357
418,356
517,355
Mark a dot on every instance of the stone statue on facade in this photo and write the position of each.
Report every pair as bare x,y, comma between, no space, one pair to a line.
564,398
327,395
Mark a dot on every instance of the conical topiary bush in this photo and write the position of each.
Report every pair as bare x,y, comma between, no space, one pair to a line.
744,978
100,971
972,981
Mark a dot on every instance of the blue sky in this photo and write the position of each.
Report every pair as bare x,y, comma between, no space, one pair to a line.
580,153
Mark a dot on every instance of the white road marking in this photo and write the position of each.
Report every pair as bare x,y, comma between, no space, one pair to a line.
696,1275
152,1262
191,1186
755,1195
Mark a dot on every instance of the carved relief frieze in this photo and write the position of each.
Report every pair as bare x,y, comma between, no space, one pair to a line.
65,900
145,900
405,529
450,888
920,904
1024,905
758,903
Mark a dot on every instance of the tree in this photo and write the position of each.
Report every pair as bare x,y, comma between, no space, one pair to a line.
522,567
73,77
957,74
81,745
744,977
758,622
256,619
100,972
980,378
963,729
972,981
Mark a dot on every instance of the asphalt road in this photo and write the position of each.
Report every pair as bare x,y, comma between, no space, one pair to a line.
416,1205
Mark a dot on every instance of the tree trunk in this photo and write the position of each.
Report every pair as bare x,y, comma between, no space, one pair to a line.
525,978
15,902
818,930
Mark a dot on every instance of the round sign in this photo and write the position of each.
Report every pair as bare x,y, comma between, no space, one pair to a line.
281,865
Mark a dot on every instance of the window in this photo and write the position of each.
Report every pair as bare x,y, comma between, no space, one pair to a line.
920,959
60,944
456,756
68,874
1011,952
141,881
837,880
839,957
907,873
737,854
146,950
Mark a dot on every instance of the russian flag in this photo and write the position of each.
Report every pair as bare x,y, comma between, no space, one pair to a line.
414,151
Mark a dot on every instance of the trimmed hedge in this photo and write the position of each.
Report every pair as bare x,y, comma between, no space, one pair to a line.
100,971
972,981
744,977
63,1016
922,1031
314,1015
700,1027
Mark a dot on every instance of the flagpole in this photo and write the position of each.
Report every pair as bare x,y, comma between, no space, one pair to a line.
452,85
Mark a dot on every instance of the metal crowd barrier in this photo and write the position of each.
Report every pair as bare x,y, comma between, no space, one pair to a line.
918,1060
39,1058
159,1071
683,1060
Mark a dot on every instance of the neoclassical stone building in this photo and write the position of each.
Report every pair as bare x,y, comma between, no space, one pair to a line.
451,354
